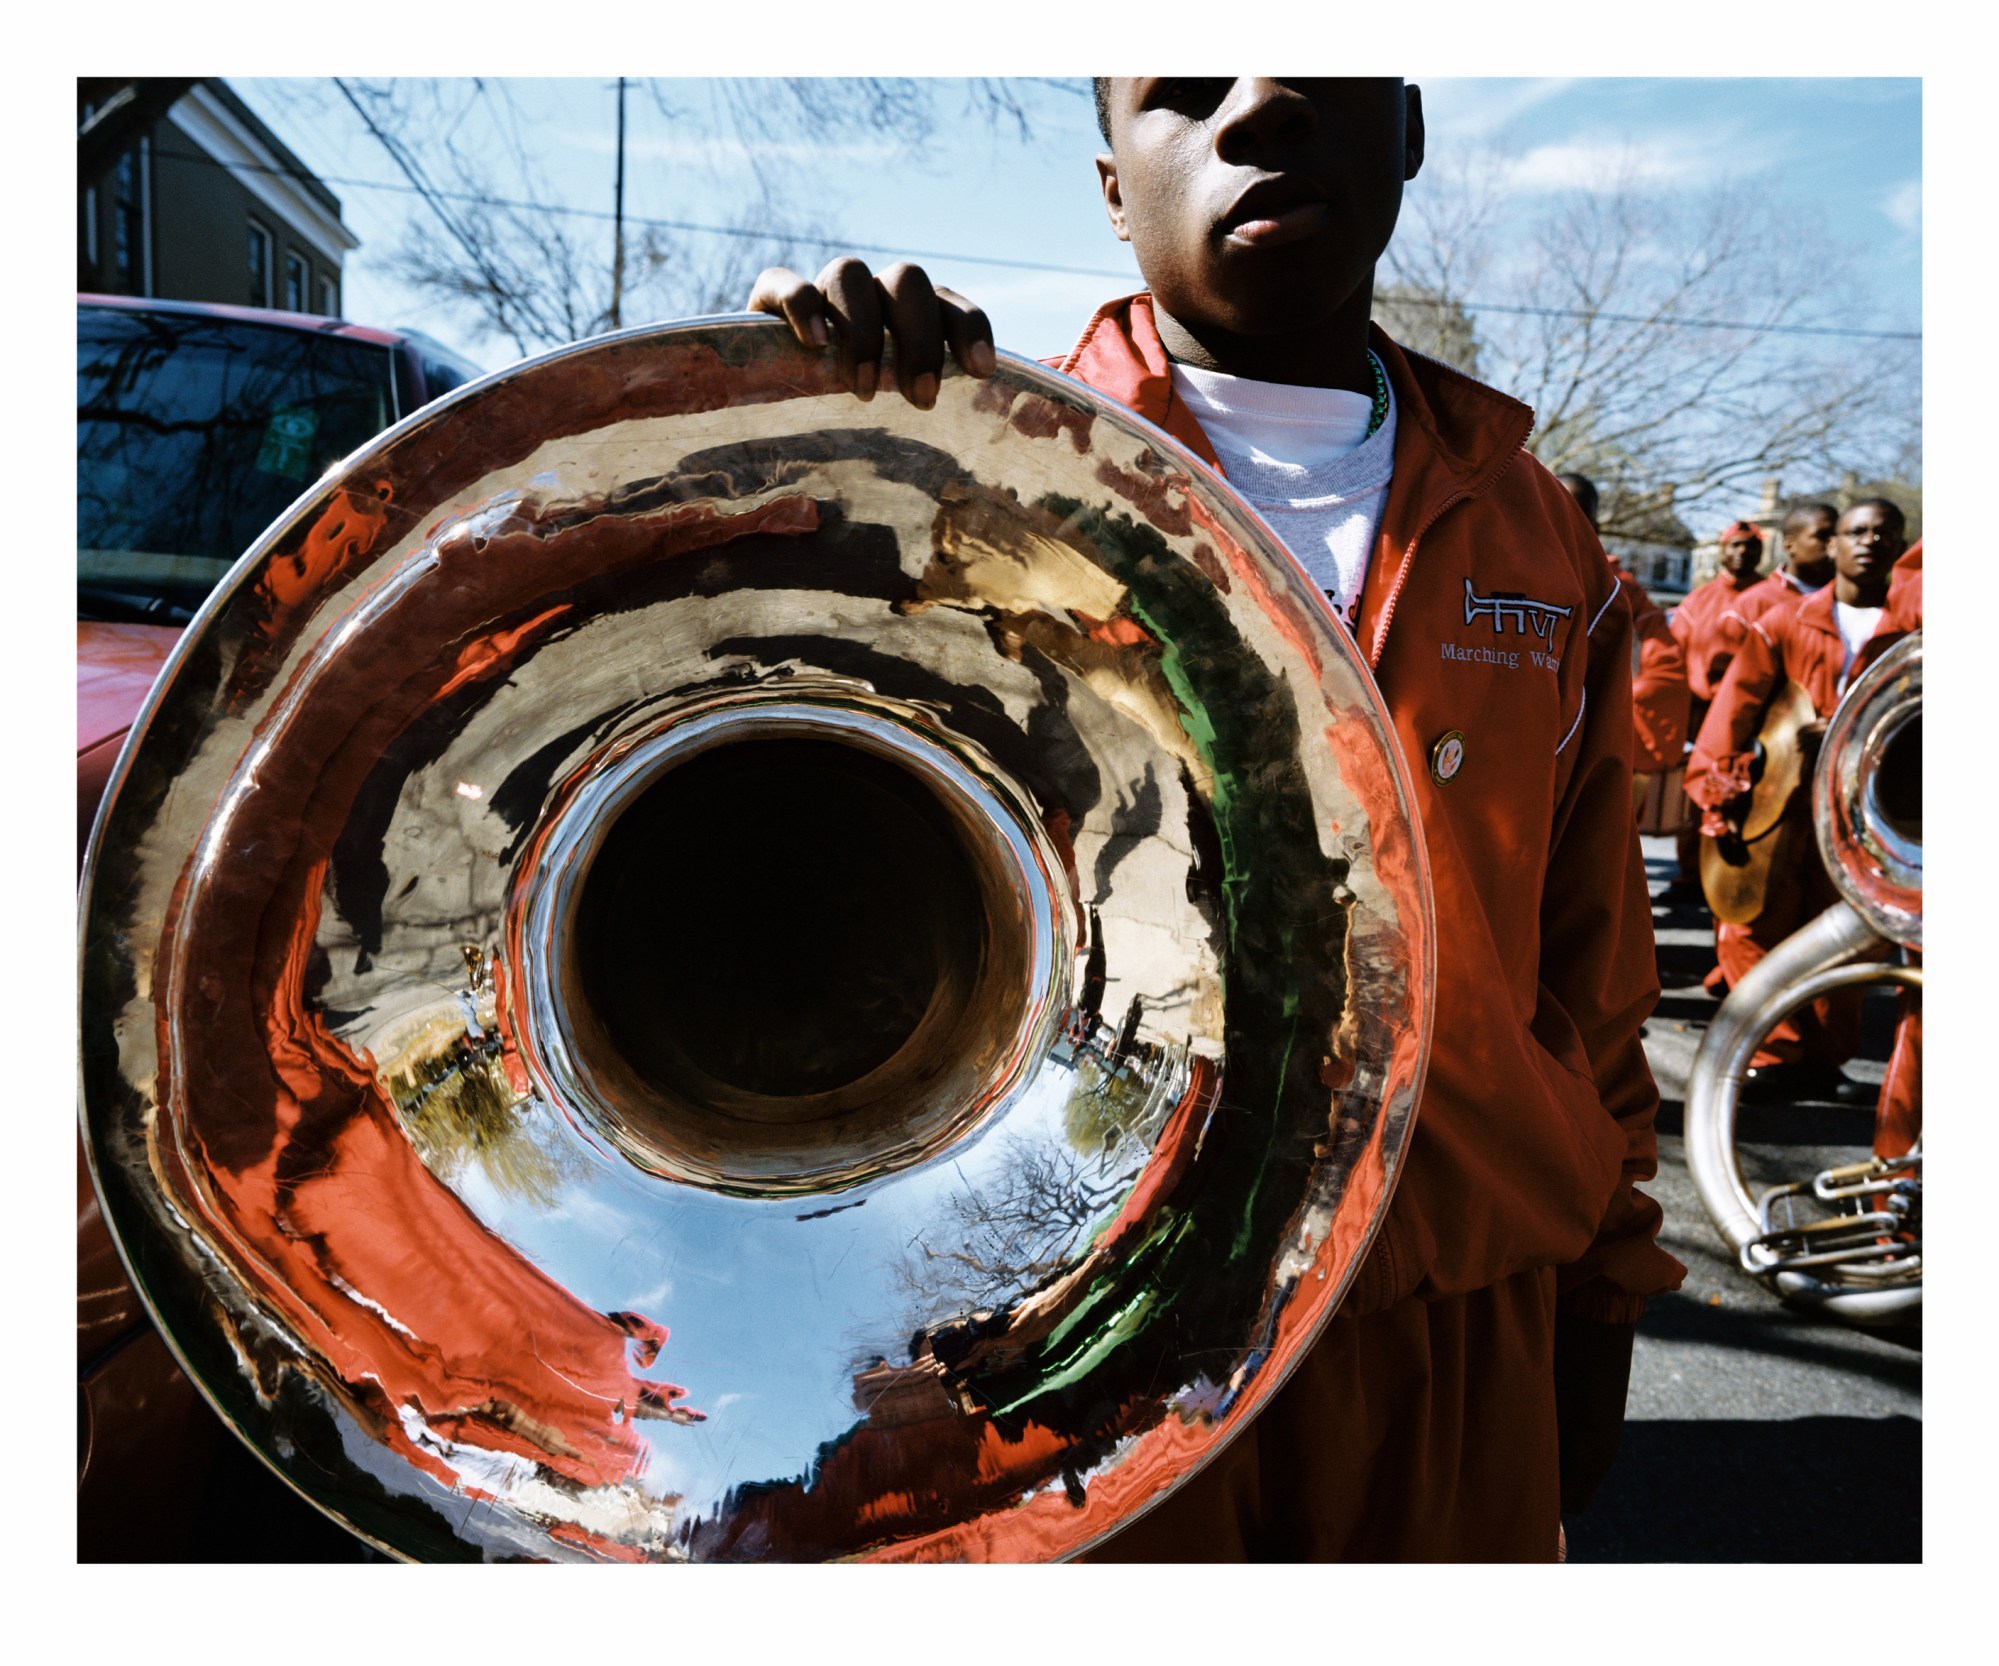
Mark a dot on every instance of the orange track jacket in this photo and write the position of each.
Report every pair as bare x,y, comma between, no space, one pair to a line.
1797,640
1732,624
1697,625
1424,1423
1659,696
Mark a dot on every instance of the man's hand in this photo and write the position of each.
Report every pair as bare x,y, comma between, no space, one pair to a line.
1726,832
848,302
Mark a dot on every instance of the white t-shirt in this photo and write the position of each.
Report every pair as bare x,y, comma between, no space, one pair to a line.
1856,625
1304,458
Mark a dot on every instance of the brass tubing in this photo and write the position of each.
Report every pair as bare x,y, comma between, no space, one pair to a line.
1811,962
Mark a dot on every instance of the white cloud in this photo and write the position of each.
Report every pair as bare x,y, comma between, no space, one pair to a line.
650,1302
1904,205
1583,162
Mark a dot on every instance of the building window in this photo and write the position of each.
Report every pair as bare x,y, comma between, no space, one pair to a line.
298,287
260,266
90,212
128,223
329,297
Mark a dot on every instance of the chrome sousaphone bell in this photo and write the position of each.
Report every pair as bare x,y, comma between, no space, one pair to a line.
683,967
1843,1238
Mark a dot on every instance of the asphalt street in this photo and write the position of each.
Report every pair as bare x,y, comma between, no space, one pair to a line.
1754,1432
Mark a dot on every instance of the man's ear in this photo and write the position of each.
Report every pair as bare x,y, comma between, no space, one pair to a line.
1113,196
1412,127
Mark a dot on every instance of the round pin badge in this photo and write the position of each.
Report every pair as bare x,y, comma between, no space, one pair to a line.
1447,757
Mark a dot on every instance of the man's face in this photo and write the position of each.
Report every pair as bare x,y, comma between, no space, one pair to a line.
1807,546
1866,546
1258,206
1741,555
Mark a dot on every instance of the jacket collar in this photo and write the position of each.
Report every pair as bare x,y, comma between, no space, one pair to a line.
1472,430
1120,354
1901,610
1454,437
1816,611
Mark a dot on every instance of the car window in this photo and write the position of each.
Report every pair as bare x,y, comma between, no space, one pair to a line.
193,435
441,375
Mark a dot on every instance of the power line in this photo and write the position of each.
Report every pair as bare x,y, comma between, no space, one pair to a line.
811,240
424,189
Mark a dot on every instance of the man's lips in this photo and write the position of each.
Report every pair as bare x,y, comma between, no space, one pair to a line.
1275,211
1284,226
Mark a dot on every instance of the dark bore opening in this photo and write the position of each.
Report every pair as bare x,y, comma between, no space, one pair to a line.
1898,781
776,915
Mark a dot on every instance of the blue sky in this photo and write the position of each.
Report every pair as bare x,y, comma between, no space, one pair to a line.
1847,151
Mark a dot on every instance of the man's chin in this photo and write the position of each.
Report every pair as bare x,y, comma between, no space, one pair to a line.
1288,310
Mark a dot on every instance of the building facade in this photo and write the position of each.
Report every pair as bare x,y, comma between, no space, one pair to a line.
208,204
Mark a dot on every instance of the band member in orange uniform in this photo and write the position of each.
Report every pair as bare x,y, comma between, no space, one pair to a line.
1659,696
1807,534
1472,1383
1698,628
1821,642
1697,620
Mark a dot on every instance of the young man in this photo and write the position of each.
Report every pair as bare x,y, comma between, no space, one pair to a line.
1821,642
1473,1382
1807,536
1697,620
1706,640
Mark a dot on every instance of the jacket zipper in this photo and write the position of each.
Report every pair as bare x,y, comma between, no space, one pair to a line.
1483,484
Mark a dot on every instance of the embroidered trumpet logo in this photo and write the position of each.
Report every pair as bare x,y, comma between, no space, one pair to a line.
1526,613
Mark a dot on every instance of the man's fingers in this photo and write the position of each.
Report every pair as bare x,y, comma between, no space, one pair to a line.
914,321
855,300
969,333
783,292
860,312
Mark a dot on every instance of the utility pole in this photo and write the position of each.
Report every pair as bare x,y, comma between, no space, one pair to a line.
618,222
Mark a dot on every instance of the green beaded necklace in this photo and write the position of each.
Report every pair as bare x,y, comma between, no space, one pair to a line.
1379,413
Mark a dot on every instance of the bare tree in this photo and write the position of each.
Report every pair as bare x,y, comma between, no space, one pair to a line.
1025,1224
509,255
1032,1215
1678,347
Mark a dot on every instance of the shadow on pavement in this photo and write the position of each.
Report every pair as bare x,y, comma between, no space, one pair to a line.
1784,1334
1684,965
1812,1489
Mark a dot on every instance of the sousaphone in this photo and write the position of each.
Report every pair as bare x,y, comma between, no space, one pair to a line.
1846,1238
684,967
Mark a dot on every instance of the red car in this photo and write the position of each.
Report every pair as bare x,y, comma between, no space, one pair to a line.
197,426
